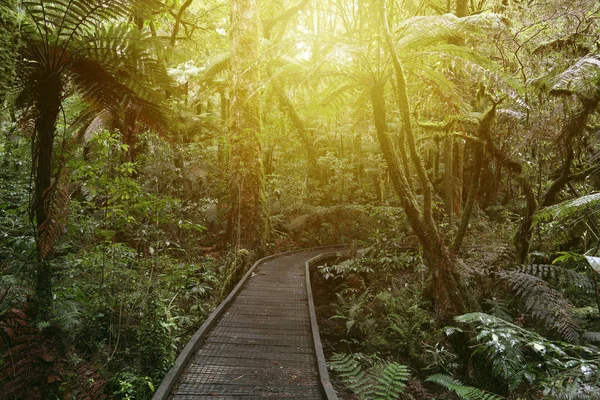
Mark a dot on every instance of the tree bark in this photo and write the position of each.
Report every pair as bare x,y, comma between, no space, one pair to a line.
45,125
484,128
462,8
248,220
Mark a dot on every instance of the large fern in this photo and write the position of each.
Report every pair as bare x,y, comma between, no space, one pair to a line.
462,391
558,275
582,78
544,302
382,381
517,355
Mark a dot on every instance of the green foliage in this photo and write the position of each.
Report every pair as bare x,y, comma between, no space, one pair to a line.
518,355
9,46
544,302
154,340
379,301
372,381
462,391
581,78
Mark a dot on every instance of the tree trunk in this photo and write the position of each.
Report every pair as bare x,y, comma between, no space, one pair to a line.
248,220
462,8
446,291
449,175
48,107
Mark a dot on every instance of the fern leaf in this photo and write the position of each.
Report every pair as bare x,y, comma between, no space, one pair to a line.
557,275
56,205
581,78
545,303
462,391
392,381
591,336
569,209
376,383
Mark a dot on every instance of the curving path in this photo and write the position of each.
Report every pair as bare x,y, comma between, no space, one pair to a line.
261,342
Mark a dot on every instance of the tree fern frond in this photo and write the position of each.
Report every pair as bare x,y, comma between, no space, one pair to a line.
569,209
563,369
557,275
424,31
582,78
591,336
102,89
467,62
56,205
123,51
461,390
544,302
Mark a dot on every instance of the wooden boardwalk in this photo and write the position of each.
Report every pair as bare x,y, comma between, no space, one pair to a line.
261,342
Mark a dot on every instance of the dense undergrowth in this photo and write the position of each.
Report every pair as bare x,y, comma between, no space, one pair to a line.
534,333
138,268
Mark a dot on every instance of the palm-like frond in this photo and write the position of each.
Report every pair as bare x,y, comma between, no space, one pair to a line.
570,210
462,391
424,31
64,20
557,275
582,78
544,303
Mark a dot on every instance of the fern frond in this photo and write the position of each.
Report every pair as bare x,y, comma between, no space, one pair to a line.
350,372
424,31
562,369
569,209
581,78
392,381
375,383
591,336
558,275
461,390
544,302
56,205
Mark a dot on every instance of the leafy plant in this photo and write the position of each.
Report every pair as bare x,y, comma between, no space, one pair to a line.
462,391
381,381
518,355
544,302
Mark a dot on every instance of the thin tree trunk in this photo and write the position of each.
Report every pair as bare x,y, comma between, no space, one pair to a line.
449,174
248,219
462,8
45,126
484,128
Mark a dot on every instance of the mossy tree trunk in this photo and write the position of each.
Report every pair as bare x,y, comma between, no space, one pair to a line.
248,220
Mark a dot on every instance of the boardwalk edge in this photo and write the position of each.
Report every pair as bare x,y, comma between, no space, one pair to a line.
326,385
173,375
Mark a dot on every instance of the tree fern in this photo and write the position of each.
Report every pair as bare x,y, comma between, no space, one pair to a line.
591,337
462,391
582,78
557,275
56,204
544,302
378,382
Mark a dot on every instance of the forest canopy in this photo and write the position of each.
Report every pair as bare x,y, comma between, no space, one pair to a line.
152,150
